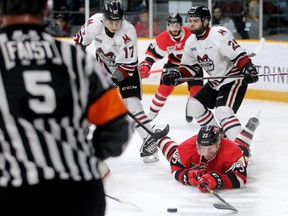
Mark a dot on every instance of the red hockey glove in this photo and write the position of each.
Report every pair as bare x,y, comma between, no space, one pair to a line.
212,179
144,68
194,176
170,77
250,73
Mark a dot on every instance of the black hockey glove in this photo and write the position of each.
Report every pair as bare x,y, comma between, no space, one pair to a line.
250,72
115,82
170,77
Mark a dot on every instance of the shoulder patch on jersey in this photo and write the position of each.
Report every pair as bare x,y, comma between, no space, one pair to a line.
222,32
90,21
126,39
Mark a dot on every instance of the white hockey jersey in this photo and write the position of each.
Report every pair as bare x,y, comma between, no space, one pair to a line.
218,54
117,52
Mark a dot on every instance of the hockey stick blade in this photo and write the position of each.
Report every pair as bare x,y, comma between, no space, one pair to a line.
224,207
160,134
258,48
124,202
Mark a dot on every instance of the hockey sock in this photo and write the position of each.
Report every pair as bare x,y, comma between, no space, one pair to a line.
231,126
160,98
228,121
135,107
206,119
167,146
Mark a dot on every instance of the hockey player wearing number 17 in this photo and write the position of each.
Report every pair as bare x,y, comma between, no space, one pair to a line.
115,41
215,50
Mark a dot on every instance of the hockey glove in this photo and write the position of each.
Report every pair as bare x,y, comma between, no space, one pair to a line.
144,68
250,73
212,179
115,82
170,77
194,176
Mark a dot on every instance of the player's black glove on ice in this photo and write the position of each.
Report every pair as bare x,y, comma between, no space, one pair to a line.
170,77
250,72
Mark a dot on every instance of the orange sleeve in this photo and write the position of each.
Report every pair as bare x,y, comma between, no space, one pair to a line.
108,107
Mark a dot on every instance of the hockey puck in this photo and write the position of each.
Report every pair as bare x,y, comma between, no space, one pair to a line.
172,210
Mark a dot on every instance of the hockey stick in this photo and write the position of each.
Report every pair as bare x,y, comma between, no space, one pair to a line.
154,135
124,202
224,205
225,77
252,54
258,47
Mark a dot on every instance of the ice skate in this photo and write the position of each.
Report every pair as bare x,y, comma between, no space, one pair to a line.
149,150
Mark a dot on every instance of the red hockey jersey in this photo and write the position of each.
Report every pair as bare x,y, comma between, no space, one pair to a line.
229,162
165,44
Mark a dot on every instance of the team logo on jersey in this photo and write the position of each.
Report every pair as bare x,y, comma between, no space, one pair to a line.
126,39
206,62
106,58
201,165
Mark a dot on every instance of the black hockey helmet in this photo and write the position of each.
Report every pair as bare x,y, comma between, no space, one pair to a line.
208,135
16,7
174,18
113,10
200,11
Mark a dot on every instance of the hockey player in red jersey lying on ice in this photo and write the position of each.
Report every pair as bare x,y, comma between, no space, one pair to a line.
209,159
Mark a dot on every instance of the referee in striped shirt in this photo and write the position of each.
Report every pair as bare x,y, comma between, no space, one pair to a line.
50,92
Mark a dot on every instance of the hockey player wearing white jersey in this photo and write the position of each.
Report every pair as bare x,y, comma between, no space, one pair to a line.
215,50
170,42
115,41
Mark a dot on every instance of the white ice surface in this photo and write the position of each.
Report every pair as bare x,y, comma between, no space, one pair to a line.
152,188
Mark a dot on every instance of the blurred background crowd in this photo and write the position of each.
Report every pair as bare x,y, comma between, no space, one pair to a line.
246,19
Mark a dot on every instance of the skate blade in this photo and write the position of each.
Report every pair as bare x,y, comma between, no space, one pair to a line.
151,159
